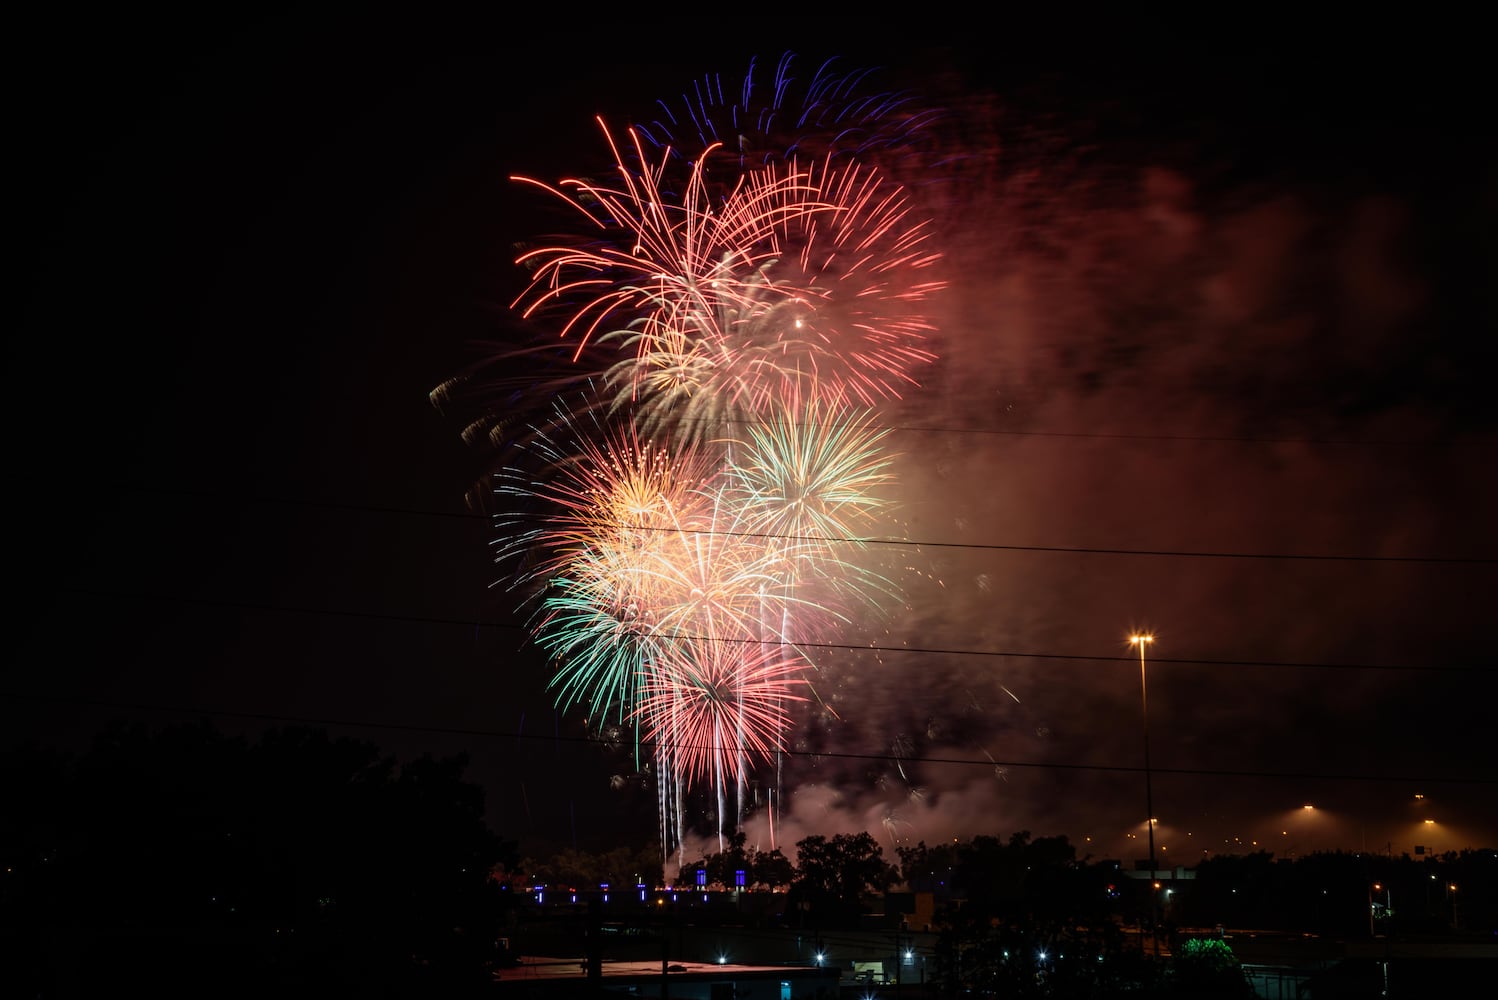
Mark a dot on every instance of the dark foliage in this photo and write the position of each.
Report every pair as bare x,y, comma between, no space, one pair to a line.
185,861
1206,969
1027,919
832,876
761,869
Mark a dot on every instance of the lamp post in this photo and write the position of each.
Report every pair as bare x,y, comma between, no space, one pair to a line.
1143,639
1374,913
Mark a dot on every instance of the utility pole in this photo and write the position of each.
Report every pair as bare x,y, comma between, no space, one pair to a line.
594,949
899,958
1142,639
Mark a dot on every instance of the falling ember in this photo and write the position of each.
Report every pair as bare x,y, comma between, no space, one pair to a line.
738,304
712,700
804,281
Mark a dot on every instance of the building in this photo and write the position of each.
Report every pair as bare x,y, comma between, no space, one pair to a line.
552,978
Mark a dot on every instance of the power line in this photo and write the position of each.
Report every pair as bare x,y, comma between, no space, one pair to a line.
1432,445
885,758
1427,445
1090,550
892,542
842,647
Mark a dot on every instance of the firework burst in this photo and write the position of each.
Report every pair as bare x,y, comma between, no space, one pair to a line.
827,301
808,480
714,704
658,260
589,520
803,281
791,111
750,284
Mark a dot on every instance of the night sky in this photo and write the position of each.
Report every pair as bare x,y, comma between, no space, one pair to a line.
1215,361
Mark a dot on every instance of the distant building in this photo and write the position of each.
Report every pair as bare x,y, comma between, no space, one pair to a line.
555,978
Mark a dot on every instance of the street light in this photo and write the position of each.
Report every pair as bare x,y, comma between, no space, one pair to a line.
1143,639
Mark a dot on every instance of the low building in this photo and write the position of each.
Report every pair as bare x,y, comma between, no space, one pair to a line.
553,978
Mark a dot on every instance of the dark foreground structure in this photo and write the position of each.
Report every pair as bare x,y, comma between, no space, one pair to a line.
552,979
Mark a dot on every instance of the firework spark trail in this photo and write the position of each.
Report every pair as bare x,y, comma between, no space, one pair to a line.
590,630
698,594
801,280
807,479
786,113
664,276
645,564
715,703
826,302
582,479
661,258
747,290
722,586
602,507
812,470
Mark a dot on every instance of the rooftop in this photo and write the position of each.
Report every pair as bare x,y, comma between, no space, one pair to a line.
540,969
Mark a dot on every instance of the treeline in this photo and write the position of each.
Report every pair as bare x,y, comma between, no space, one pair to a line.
837,879
1022,917
186,861
1027,917
1335,893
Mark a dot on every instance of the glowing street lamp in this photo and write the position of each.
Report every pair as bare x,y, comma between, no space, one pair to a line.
1143,639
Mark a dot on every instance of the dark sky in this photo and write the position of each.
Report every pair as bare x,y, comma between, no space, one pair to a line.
1214,361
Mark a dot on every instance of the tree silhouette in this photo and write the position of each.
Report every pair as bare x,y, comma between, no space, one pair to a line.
762,869
1031,921
832,875
162,858
1205,969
